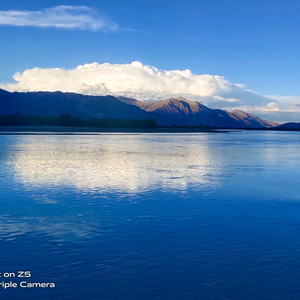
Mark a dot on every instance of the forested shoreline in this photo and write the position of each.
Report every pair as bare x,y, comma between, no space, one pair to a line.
66,120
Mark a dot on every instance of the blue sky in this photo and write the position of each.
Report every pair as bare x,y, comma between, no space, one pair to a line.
254,43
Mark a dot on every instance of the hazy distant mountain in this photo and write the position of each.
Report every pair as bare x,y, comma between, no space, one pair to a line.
290,125
178,111
195,113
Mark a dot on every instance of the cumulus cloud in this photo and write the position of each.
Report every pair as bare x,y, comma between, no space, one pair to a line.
65,17
148,83
140,81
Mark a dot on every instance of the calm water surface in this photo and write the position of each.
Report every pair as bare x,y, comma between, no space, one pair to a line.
151,216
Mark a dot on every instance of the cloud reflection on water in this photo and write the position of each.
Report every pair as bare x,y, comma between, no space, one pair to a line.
135,163
67,187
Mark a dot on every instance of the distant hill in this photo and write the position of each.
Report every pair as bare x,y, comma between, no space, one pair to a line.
290,125
179,111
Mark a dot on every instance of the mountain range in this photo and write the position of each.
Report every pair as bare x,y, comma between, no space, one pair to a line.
194,113
178,111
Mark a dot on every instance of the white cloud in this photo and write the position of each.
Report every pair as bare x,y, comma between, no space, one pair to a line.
66,17
286,101
135,79
148,83
272,106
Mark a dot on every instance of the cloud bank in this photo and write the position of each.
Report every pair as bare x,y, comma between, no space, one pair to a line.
65,17
141,81
148,83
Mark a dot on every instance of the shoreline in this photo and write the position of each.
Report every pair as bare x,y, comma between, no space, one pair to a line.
5,130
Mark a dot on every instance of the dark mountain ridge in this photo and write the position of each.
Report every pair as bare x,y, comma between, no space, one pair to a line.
48,104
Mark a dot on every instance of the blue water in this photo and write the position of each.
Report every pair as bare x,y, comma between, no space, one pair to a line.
151,216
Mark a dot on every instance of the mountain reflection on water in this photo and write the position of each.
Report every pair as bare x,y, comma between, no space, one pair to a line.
152,216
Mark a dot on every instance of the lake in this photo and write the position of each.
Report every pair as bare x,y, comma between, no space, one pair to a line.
150,216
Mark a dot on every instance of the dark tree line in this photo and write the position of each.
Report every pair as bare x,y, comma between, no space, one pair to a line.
175,126
67,120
